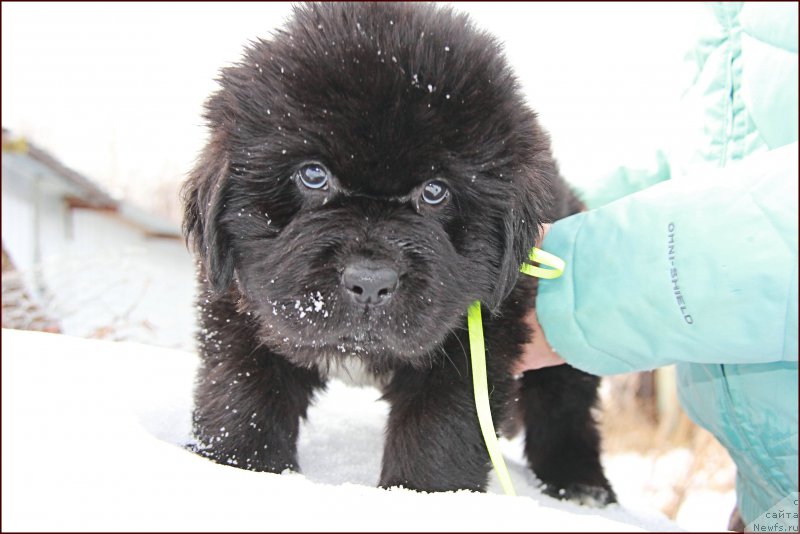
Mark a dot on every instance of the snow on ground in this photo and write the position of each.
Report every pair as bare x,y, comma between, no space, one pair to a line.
650,481
91,441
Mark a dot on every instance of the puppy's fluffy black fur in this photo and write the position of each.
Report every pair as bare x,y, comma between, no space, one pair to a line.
382,99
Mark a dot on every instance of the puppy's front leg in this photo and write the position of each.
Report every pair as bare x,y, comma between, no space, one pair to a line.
247,412
248,400
433,440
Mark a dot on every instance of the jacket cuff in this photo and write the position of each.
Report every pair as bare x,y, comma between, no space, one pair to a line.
555,307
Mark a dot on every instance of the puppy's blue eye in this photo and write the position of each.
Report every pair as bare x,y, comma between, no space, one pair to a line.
434,192
314,176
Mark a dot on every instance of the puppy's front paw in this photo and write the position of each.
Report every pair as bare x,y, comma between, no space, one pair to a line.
583,494
277,461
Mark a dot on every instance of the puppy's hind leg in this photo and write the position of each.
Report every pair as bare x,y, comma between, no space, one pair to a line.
562,442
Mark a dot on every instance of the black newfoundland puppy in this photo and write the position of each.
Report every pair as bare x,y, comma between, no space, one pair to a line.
371,170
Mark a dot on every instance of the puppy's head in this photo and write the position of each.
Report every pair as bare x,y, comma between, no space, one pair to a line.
371,170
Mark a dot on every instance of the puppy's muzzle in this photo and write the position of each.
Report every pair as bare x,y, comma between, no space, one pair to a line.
369,283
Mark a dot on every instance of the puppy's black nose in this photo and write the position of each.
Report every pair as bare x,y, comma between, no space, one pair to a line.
367,283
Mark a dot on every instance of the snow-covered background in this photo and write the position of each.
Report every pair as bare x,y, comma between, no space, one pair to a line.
92,441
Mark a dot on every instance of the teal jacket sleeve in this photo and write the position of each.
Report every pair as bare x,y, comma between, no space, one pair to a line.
696,269
624,180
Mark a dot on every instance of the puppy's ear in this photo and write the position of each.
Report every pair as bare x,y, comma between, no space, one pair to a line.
521,229
203,202
539,190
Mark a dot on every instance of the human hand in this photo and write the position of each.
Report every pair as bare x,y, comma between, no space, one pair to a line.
537,353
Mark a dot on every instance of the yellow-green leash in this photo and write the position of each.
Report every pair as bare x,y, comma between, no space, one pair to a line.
555,263
554,267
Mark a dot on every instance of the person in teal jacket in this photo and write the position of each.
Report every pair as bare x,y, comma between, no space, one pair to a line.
701,270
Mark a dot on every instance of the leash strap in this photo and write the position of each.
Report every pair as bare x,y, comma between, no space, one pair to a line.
554,263
480,387
553,268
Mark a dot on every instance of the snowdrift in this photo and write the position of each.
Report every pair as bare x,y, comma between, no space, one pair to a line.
92,436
